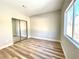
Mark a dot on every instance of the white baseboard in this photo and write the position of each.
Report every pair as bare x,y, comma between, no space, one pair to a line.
46,39
63,50
6,45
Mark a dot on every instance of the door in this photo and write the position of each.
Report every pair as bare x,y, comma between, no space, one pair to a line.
19,28
15,30
23,29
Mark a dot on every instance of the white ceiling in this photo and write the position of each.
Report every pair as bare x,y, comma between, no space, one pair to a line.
34,7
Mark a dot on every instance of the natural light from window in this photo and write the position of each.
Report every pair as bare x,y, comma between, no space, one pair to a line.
71,23
76,21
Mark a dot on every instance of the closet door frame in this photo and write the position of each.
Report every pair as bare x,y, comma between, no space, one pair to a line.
20,29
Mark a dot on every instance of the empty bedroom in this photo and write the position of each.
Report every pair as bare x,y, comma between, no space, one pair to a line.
39,29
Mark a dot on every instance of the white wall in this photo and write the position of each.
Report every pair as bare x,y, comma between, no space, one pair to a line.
46,26
6,15
70,50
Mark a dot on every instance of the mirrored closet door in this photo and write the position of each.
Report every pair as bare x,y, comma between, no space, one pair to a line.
23,29
19,28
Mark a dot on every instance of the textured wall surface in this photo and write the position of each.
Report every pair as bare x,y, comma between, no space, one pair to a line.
6,15
70,50
46,26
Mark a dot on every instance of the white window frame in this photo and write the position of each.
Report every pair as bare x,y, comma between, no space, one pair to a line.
68,37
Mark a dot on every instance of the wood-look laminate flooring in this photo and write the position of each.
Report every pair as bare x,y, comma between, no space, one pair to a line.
33,49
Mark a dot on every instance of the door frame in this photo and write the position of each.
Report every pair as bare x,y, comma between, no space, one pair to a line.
20,28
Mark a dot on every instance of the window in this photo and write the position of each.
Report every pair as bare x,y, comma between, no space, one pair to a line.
71,22
76,21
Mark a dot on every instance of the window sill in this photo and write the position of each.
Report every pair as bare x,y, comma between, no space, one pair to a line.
72,41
